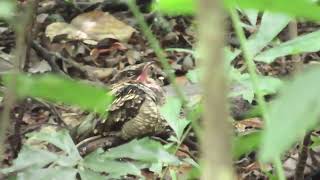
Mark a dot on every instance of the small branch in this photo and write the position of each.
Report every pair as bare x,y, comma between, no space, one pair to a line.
47,56
51,58
30,27
217,132
92,143
15,139
303,156
20,24
293,33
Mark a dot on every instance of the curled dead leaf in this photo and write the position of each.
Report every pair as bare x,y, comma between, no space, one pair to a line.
91,26
61,28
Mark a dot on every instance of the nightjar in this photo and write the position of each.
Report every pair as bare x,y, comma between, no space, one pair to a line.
135,109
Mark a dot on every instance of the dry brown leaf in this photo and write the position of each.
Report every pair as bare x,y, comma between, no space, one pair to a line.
99,25
61,28
91,26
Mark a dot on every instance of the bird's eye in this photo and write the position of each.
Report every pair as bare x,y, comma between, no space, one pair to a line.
129,73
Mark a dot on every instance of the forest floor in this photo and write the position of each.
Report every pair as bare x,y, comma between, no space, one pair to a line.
116,42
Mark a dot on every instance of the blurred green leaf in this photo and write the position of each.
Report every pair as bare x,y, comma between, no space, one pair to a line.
176,7
171,112
48,173
145,150
315,142
56,88
230,55
192,162
87,174
98,162
271,25
252,16
246,144
7,9
298,8
291,115
156,167
193,75
173,174
30,157
62,140
267,85
302,44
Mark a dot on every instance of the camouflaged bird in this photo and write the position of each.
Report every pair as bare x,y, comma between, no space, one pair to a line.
135,110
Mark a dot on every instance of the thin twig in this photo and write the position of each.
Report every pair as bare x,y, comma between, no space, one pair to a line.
20,23
303,156
50,58
154,43
293,33
30,26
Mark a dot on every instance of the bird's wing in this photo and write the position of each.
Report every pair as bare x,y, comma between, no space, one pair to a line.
128,100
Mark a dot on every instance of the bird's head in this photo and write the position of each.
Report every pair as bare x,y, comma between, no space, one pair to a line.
140,72
145,79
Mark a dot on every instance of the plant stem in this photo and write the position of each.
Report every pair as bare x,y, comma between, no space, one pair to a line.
216,155
20,24
254,79
154,43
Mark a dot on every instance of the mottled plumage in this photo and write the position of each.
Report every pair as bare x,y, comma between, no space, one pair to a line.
135,110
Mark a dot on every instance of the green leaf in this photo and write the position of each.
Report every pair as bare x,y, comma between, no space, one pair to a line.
175,7
98,162
246,144
56,88
315,142
193,75
145,150
252,16
267,85
7,9
229,55
30,157
62,140
271,25
88,174
192,162
173,174
291,115
171,112
302,44
298,8
48,173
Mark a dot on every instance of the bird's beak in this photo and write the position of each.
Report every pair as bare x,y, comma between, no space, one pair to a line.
143,77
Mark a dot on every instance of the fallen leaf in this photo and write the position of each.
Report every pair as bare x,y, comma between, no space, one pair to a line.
61,28
40,67
94,25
